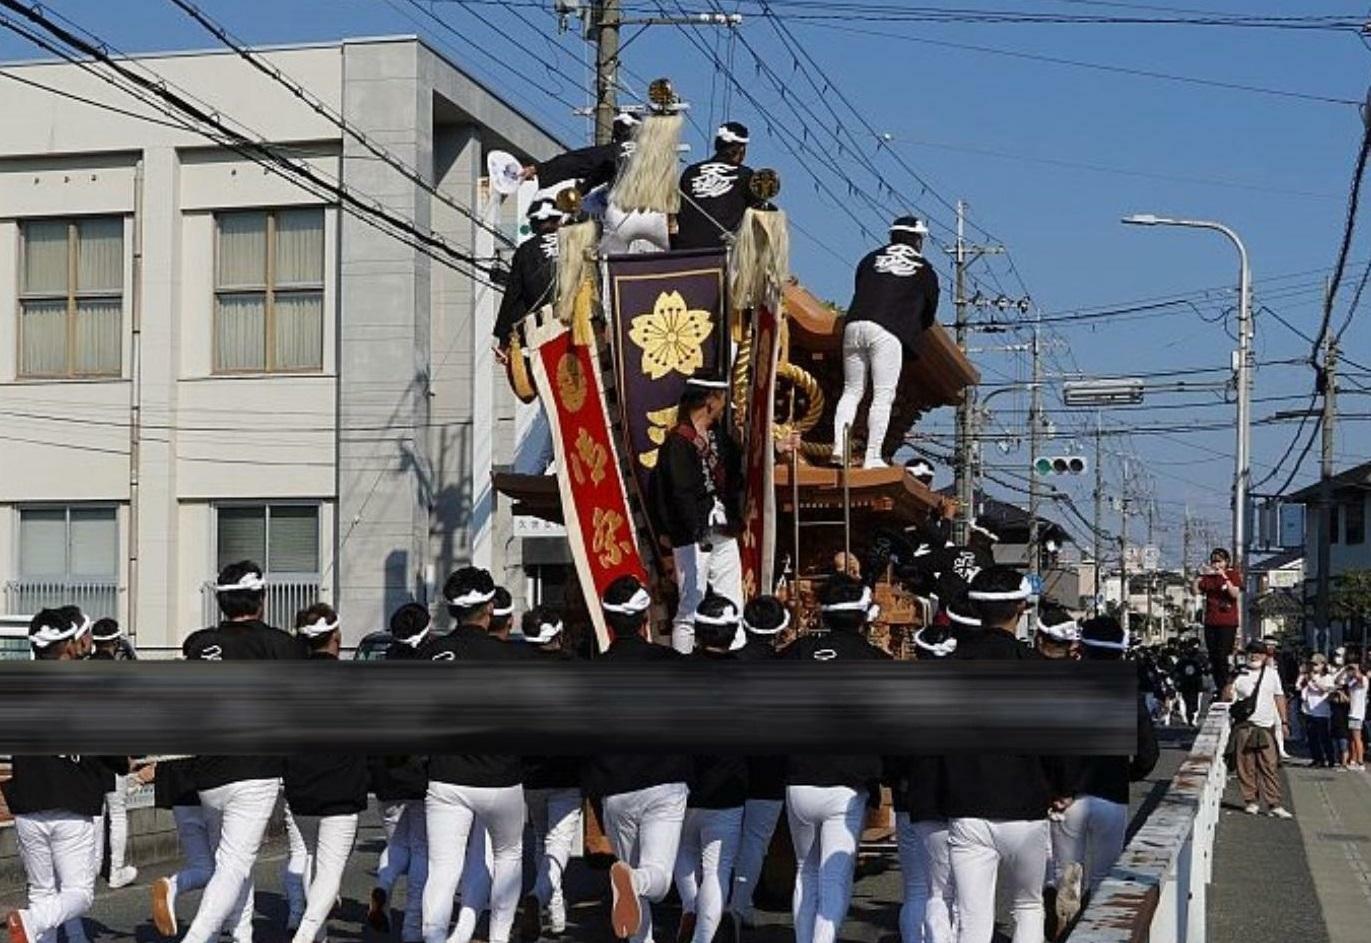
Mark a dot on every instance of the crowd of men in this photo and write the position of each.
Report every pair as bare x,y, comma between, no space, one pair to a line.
456,824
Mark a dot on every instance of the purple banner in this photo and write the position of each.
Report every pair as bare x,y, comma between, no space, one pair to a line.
667,315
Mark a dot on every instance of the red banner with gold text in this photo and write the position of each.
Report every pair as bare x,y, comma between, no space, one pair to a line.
758,541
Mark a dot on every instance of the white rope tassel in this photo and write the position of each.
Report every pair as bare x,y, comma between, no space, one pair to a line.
760,259
651,180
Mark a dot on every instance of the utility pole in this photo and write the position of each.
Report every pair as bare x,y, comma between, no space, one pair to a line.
1151,570
1123,552
1034,430
605,21
965,496
1185,564
1099,510
1328,379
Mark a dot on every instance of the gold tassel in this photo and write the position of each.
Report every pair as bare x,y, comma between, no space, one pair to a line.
581,334
518,371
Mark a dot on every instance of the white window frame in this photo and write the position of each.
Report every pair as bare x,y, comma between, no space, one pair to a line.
269,290
72,295
68,577
267,504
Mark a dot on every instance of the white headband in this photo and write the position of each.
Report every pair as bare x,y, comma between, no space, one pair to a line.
250,581
627,118
547,631
729,136
707,384
472,597
1069,631
546,211
1101,643
730,617
107,638
638,603
941,649
82,628
756,630
917,230
960,619
504,613
857,605
1024,590
414,640
320,627
48,635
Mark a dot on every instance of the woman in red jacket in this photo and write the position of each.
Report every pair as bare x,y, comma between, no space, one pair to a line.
1221,585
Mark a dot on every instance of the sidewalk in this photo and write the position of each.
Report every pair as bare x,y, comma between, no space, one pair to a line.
1306,880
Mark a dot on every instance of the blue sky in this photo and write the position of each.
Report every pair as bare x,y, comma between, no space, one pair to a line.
1048,157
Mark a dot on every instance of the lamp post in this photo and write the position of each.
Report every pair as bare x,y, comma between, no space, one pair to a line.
1242,471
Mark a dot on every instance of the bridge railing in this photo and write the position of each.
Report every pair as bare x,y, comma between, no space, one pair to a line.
1158,889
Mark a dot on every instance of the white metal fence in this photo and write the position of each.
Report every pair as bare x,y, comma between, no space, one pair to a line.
98,599
1158,889
284,598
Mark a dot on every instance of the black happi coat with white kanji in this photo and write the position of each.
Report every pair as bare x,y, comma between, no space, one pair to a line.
590,167
692,471
532,282
896,288
714,195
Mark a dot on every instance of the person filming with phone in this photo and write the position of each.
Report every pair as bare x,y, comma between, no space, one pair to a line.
1220,583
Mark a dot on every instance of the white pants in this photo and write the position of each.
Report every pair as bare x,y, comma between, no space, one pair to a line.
76,928
644,829
925,915
759,823
825,826
704,865
58,851
634,231
696,570
406,853
116,811
193,837
868,347
451,813
473,891
329,839
555,815
1090,833
979,848
294,870
236,816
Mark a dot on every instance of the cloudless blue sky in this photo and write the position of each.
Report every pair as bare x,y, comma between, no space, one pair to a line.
1047,156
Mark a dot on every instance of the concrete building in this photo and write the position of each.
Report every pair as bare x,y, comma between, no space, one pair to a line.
1348,547
201,361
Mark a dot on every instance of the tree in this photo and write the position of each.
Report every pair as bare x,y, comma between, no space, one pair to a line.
1350,598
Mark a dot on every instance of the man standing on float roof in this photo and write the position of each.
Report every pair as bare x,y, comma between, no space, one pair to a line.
532,272
715,193
894,302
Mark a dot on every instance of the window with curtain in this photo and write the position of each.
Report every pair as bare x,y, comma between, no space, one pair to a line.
269,291
283,539
68,544
71,297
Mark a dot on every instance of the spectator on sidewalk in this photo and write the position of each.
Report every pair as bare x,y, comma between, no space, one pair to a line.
1315,684
1255,737
1355,685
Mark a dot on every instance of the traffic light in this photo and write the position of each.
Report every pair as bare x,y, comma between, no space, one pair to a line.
1059,465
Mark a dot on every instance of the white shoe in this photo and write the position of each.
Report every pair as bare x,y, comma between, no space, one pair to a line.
874,463
123,877
1280,812
1251,808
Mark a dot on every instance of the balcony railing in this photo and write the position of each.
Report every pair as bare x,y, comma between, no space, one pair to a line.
284,598
98,599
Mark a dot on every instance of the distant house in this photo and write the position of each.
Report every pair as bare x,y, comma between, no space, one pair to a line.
1276,588
1348,546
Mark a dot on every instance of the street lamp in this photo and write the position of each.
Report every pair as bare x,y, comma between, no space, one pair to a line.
1242,473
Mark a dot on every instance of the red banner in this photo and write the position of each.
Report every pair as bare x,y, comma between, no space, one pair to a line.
758,541
594,504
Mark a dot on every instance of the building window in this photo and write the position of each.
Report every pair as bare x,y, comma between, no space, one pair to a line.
269,291
67,555
1354,527
71,297
283,539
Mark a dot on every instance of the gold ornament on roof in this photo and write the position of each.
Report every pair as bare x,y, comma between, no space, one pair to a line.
671,337
765,184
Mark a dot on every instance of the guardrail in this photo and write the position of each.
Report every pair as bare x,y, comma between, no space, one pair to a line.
1158,888
97,598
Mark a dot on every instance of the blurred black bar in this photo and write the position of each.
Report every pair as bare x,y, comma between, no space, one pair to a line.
135,708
